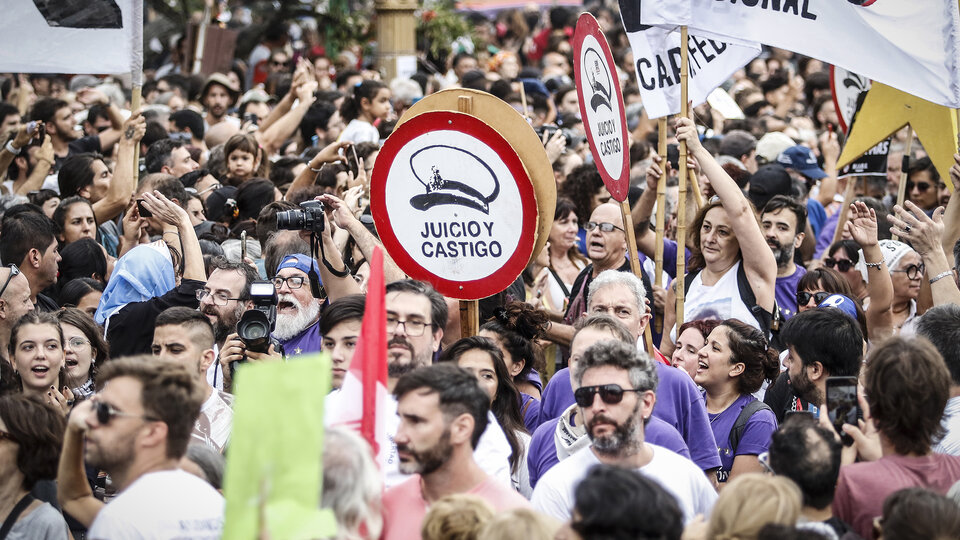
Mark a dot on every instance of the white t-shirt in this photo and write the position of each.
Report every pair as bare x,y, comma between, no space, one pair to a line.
719,301
358,131
681,477
162,505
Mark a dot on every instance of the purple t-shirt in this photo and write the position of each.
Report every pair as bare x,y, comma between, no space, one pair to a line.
542,454
786,292
305,342
756,435
530,409
825,238
679,404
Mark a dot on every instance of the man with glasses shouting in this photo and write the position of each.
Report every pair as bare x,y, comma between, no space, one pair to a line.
616,394
136,429
298,312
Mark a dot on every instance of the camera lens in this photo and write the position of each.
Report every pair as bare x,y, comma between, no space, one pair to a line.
291,220
255,330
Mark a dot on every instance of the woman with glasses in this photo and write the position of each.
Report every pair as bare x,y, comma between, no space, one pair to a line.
36,352
515,329
843,257
732,366
481,357
906,271
84,350
728,247
31,434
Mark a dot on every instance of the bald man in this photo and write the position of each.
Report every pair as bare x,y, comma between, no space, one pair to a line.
14,300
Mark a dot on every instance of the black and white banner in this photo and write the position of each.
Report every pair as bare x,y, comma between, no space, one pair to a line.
71,36
656,57
910,45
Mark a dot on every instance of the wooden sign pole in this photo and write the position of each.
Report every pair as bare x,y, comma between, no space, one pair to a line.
469,309
661,215
682,193
635,262
902,190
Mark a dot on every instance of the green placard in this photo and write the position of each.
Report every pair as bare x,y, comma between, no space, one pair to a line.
274,463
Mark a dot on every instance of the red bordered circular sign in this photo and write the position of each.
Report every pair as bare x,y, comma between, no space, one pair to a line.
454,205
601,105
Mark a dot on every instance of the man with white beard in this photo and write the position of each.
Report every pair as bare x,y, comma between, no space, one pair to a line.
298,312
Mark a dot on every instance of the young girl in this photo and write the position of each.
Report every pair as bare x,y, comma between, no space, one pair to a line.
370,102
244,159
36,352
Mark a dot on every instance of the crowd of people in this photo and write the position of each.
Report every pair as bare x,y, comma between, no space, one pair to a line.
125,282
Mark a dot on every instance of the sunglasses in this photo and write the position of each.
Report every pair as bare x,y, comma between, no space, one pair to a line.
803,297
14,271
913,271
604,227
611,394
843,265
921,186
7,436
106,412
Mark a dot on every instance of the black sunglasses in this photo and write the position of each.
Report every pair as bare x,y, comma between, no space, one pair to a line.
803,297
913,271
106,412
843,265
611,394
14,271
921,186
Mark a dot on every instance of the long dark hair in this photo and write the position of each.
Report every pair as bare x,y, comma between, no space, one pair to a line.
519,326
81,321
351,106
696,261
565,207
749,347
506,404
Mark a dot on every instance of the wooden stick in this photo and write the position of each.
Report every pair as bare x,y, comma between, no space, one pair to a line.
469,309
635,263
695,185
135,97
523,101
847,199
661,216
682,193
902,189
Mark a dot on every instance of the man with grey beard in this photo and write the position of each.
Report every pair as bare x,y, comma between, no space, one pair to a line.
298,312
783,221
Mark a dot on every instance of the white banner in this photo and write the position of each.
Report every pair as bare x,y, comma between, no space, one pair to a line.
656,57
71,36
913,45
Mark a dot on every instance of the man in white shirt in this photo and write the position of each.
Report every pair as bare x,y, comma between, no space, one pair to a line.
185,336
626,381
136,429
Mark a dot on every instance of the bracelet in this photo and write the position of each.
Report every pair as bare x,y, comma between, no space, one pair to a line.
171,232
873,265
10,148
315,170
940,276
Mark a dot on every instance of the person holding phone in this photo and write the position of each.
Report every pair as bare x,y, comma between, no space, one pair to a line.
905,390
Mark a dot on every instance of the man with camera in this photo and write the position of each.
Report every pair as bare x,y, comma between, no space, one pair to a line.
298,311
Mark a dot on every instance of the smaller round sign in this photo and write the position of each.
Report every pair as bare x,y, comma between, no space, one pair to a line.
601,105
454,205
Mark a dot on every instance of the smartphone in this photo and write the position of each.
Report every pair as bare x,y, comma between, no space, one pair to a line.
143,210
243,246
842,404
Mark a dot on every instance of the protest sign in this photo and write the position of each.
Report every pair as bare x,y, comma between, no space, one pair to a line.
71,36
601,105
912,46
274,470
871,163
846,87
454,205
656,56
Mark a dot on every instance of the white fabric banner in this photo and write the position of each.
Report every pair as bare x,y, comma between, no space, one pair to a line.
656,57
69,36
913,46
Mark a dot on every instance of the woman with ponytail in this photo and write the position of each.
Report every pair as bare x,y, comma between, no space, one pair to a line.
515,329
369,103
732,366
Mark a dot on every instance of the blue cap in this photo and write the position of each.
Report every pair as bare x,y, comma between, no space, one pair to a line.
842,303
300,262
802,160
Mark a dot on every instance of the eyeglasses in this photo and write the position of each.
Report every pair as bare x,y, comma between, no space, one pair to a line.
215,185
6,436
106,412
843,265
913,271
604,227
611,394
14,271
803,297
293,282
218,299
77,342
921,186
412,328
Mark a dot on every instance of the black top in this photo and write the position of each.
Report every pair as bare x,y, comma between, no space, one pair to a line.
78,146
131,329
45,303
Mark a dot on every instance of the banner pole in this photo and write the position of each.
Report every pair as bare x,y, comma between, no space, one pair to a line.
902,189
661,215
682,193
635,262
470,309
136,78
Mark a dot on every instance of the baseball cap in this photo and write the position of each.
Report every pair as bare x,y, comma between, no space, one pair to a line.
772,144
802,160
299,261
769,181
842,303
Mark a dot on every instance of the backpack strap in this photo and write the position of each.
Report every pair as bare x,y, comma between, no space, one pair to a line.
769,322
688,280
15,514
736,433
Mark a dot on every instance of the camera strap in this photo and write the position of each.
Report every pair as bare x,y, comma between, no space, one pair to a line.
314,278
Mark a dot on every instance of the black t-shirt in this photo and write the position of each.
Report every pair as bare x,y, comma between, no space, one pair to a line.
781,397
45,303
78,146
131,329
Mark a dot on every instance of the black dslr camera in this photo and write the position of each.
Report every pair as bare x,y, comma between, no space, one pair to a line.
255,325
308,218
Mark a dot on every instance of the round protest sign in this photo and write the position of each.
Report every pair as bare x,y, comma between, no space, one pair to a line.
601,105
454,205
846,87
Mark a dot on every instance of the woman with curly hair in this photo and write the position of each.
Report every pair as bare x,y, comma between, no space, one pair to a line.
515,329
